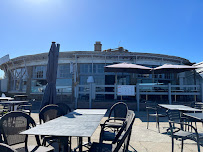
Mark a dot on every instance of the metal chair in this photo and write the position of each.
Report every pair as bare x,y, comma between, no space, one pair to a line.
117,116
64,107
178,129
46,114
109,135
49,112
121,141
25,107
5,108
12,124
153,110
6,148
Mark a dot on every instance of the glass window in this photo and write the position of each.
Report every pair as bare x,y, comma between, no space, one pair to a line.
64,71
98,68
98,80
63,81
39,72
64,85
18,80
85,68
38,85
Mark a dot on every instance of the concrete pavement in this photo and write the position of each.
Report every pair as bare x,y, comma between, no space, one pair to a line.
142,139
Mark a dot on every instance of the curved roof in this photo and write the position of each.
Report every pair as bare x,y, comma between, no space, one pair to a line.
71,54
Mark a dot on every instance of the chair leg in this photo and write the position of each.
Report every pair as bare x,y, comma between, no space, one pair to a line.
182,142
70,142
172,144
147,119
157,121
198,146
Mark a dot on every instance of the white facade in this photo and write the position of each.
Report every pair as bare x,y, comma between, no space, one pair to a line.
27,74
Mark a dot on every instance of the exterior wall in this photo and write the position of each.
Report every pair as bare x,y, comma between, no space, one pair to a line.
82,57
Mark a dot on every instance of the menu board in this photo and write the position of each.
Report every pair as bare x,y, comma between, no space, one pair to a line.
126,90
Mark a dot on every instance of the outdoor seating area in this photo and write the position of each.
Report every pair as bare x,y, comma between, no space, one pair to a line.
114,129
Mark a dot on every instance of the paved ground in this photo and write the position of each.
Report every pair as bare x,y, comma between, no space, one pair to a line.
142,139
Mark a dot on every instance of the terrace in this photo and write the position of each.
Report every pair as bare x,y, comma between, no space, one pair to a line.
142,139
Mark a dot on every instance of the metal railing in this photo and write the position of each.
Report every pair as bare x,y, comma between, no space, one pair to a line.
140,89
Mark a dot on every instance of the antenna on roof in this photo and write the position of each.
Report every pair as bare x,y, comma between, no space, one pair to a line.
119,43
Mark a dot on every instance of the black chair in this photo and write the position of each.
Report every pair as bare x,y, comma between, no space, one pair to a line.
121,141
25,107
4,109
46,114
12,123
117,116
64,107
196,105
153,110
178,129
49,112
109,135
6,148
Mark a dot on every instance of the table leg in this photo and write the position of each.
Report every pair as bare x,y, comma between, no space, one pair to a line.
13,105
65,144
80,144
89,140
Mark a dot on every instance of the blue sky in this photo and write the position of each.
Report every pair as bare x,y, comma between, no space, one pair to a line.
172,27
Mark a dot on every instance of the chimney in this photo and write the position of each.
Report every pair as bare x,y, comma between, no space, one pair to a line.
98,46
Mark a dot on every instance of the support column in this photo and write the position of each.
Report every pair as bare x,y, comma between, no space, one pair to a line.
138,96
169,93
29,80
90,95
76,96
202,91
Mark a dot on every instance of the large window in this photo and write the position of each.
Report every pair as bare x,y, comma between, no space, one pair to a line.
38,83
85,68
64,71
63,81
39,72
18,80
98,68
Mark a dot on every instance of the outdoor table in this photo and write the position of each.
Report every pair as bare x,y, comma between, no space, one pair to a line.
12,103
79,123
199,103
6,98
181,108
197,116
21,96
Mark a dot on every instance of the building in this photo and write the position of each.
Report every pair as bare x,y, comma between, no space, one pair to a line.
27,74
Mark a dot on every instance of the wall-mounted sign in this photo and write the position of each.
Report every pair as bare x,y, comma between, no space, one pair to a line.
126,90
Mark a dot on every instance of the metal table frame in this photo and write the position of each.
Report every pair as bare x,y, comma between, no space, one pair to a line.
181,108
197,116
12,103
79,123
